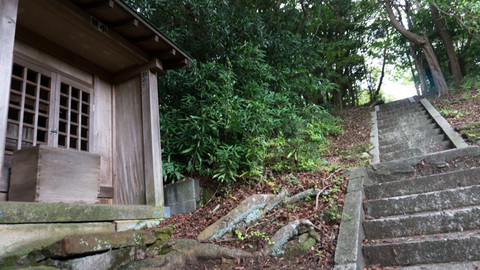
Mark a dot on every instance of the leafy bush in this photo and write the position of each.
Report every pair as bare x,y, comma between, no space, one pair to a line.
235,119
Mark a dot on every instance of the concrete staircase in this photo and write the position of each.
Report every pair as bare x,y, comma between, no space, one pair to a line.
419,208
406,129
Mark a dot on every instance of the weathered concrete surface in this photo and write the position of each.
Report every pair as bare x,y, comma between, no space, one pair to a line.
375,152
447,129
348,252
404,169
444,266
301,245
128,225
29,212
462,246
74,245
249,210
430,183
411,218
430,201
423,223
20,239
287,232
182,197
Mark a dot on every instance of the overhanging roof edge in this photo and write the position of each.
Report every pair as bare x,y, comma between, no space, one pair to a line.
154,29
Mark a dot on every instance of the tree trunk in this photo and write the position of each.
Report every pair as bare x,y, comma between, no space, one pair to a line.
422,42
383,66
415,79
421,71
447,41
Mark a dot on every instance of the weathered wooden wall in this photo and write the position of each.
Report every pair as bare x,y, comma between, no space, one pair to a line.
103,126
8,18
151,139
129,156
101,140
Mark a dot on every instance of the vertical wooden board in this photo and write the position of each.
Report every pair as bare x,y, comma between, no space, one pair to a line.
3,197
23,178
8,18
67,176
129,177
5,177
151,137
102,139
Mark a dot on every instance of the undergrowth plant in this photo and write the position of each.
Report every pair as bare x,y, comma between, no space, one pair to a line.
234,120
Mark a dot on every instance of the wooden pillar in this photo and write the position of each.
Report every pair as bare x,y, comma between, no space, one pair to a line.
8,20
151,139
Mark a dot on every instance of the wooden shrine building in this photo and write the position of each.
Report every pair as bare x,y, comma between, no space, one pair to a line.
79,119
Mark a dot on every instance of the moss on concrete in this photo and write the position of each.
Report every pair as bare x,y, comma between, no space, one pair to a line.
24,212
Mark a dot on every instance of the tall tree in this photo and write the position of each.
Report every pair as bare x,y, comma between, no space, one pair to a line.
422,42
447,41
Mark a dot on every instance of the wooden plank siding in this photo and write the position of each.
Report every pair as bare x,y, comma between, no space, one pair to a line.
129,148
8,18
151,139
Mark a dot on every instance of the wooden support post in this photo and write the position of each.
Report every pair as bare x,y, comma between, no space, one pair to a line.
151,139
8,20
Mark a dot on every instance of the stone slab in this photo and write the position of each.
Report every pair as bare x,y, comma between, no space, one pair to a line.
127,225
430,183
350,238
374,139
428,223
430,201
442,248
17,239
447,129
182,197
28,212
75,245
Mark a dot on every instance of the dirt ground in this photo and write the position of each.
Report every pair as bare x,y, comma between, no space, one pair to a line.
345,152
461,107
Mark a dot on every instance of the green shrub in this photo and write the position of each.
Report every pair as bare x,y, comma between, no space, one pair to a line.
233,120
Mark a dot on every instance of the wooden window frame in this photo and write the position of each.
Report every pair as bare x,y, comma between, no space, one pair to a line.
57,78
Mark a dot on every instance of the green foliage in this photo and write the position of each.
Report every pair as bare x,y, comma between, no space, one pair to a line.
232,123
261,235
470,82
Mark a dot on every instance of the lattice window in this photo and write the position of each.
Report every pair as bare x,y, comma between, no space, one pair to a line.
47,108
74,118
29,108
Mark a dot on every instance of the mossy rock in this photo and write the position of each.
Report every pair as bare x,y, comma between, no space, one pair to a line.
300,245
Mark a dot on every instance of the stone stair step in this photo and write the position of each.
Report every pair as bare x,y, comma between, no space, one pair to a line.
413,143
400,154
426,223
415,134
468,265
414,125
414,131
400,107
402,124
439,248
382,118
430,183
437,147
424,202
